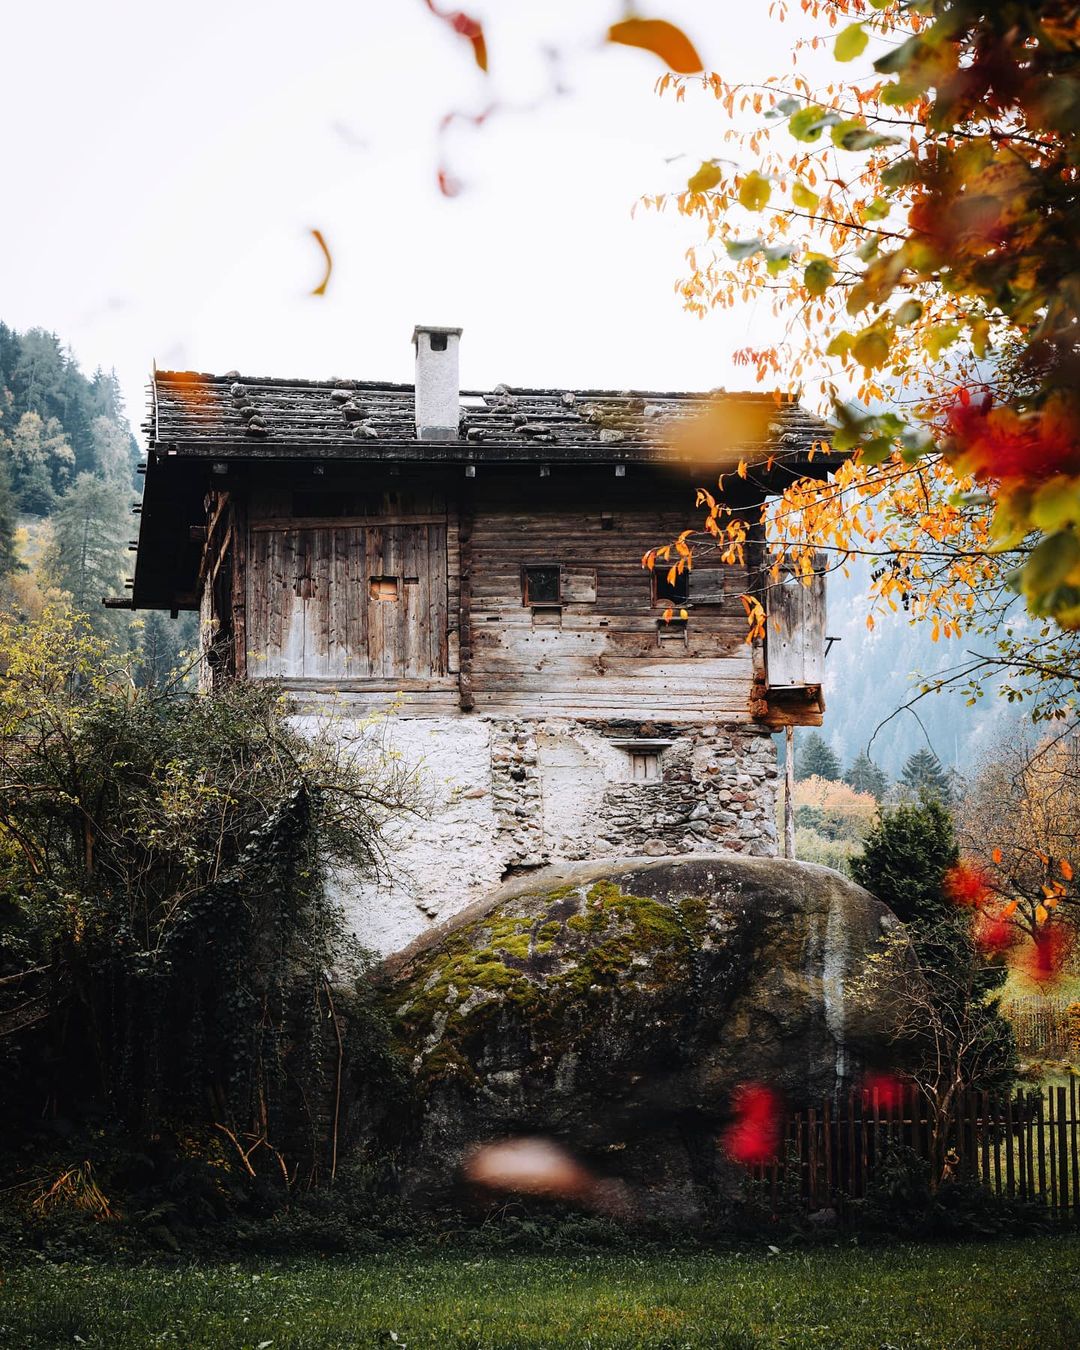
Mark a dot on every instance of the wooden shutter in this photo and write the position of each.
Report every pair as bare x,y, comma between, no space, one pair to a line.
795,636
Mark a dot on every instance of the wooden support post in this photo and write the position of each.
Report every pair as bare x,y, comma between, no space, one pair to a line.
789,792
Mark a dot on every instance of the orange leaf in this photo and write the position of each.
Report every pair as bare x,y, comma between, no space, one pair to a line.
1041,914
1009,909
320,289
996,855
1066,869
661,38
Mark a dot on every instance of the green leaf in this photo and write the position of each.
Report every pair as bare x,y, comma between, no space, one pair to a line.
868,140
877,450
706,178
900,174
851,42
803,197
908,312
777,258
869,247
1051,562
818,276
789,105
892,63
844,128
755,191
810,122
740,249
900,95
871,349
877,210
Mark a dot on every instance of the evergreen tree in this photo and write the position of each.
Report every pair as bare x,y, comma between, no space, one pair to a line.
8,560
904,863
815,758
865,776
86,557
159,652
924,776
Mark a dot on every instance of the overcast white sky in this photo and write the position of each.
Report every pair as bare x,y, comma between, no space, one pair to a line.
166,162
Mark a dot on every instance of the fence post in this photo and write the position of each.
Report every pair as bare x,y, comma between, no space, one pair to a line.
1074,1126
1042,1147
1063,1153
1010,1173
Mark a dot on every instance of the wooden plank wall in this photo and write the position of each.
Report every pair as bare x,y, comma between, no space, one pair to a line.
608,657
462,631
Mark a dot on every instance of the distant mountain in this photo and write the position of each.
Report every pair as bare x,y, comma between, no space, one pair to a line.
872,674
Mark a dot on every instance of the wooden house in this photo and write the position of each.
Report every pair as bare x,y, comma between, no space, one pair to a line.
474,560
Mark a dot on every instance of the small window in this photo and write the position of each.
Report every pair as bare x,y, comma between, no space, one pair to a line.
438,342
644,766
542,585
666,592
384,588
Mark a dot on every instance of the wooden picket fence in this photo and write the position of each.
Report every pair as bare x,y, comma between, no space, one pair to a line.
1025,1147
1041,1025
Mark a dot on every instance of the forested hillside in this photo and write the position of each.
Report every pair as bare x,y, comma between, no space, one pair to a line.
870,674
68,482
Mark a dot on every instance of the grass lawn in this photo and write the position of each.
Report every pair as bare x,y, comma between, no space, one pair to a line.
1015,1294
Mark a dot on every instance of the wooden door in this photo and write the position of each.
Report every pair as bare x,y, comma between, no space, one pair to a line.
348,602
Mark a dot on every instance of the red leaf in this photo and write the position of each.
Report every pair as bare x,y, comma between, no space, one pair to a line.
754,1134
467,27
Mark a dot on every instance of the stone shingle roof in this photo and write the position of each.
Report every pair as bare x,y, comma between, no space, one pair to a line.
234,415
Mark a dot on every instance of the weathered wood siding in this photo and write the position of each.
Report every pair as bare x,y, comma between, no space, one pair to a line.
607,651
313,613
460,633
795,636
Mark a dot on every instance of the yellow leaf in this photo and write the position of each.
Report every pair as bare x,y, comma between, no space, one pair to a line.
706,178
1041,914
754,191
871,349
803,198
851,42
661,38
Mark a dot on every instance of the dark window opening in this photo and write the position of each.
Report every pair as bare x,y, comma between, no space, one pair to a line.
542,585
438,342
673,592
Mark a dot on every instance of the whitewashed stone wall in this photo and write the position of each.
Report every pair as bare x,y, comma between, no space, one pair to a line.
503,796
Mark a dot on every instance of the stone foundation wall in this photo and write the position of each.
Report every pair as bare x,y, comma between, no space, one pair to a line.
504,796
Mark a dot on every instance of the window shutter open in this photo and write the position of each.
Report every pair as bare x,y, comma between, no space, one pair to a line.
795,635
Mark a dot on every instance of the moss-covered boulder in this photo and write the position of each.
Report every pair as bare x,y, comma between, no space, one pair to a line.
617,1006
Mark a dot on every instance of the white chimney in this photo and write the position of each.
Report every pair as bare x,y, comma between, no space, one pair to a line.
438,390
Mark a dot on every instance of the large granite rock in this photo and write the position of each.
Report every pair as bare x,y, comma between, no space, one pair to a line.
617,1006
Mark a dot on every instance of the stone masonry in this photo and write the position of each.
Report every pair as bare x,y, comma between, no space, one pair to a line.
505,796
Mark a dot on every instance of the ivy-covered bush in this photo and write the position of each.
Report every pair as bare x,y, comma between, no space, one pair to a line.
173,976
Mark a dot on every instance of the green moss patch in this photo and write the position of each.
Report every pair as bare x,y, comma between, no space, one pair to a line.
536,964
